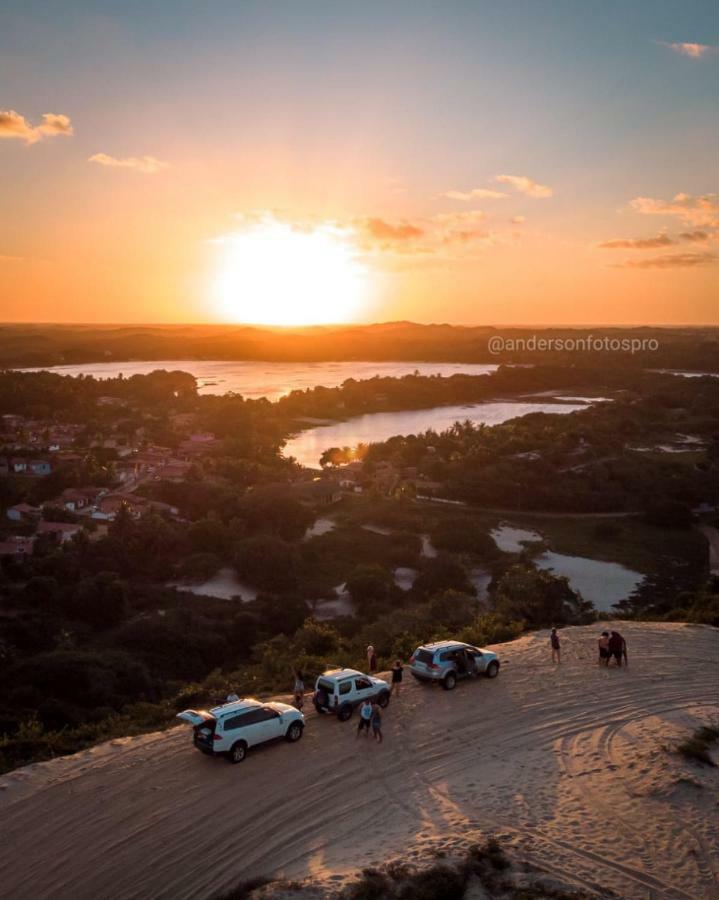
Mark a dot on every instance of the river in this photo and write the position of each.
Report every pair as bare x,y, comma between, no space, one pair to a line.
308,445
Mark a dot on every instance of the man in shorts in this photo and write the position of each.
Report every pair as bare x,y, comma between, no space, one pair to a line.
365,718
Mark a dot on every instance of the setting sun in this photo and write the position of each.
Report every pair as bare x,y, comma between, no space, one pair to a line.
276,273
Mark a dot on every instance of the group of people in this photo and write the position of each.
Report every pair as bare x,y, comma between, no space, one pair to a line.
611,645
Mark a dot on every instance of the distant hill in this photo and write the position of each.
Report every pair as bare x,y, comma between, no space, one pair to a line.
48,344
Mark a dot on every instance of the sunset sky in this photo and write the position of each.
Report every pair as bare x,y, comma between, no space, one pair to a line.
545,161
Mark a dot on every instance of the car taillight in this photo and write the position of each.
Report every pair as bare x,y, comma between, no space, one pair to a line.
411,660
432,666
216,737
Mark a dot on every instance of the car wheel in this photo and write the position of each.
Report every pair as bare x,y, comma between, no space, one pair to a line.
238,752
383,699
492,669
450,681
320,709
345,712
294,732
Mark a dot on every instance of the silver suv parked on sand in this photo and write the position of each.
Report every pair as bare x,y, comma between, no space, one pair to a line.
338,691
448,661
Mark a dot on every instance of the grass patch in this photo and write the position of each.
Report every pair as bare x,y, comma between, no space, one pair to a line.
696,748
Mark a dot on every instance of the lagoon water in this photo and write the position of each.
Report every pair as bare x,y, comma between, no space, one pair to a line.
257,378
602,583
308,445
224,584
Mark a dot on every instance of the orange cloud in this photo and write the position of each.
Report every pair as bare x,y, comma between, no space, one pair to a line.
685,48
14,125
661,240
671,261
380,230
146,165
475,194
525,185
699,211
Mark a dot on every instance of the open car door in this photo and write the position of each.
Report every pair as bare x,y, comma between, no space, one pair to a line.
194,717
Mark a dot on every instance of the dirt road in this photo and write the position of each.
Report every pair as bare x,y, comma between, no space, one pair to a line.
569,763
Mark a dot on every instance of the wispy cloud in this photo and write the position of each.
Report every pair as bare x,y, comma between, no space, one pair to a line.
688,48
15,126
146,165
475,194
671,261
4,258
518,220
661,240
695,237
526,185
700,211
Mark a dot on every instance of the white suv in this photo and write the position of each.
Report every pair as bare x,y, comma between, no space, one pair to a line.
231,729
340,690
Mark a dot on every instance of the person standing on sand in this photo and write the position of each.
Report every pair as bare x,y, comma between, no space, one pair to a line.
371,659
376,722
603,643
397,672
617,647
556,648
299,689
365,718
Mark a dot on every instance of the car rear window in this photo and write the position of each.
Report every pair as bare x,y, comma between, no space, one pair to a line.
424,656
324,685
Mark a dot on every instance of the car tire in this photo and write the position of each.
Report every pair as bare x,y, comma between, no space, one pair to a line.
449,682
345,712
383,699
237,752
322,710
294,732
492,669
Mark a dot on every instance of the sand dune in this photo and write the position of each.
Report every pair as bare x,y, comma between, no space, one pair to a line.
568,763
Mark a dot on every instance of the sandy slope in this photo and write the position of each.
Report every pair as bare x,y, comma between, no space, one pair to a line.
568,763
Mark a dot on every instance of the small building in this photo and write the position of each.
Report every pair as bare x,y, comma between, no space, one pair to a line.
321,492
17,547
60,531
23,512
39,467
77,499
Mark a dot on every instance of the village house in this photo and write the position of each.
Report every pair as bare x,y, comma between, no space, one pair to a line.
174,470
78,499
59,531
21,466
17,547
321,492
23,512
198,444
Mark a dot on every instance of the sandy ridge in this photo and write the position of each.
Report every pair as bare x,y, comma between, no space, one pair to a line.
568,763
